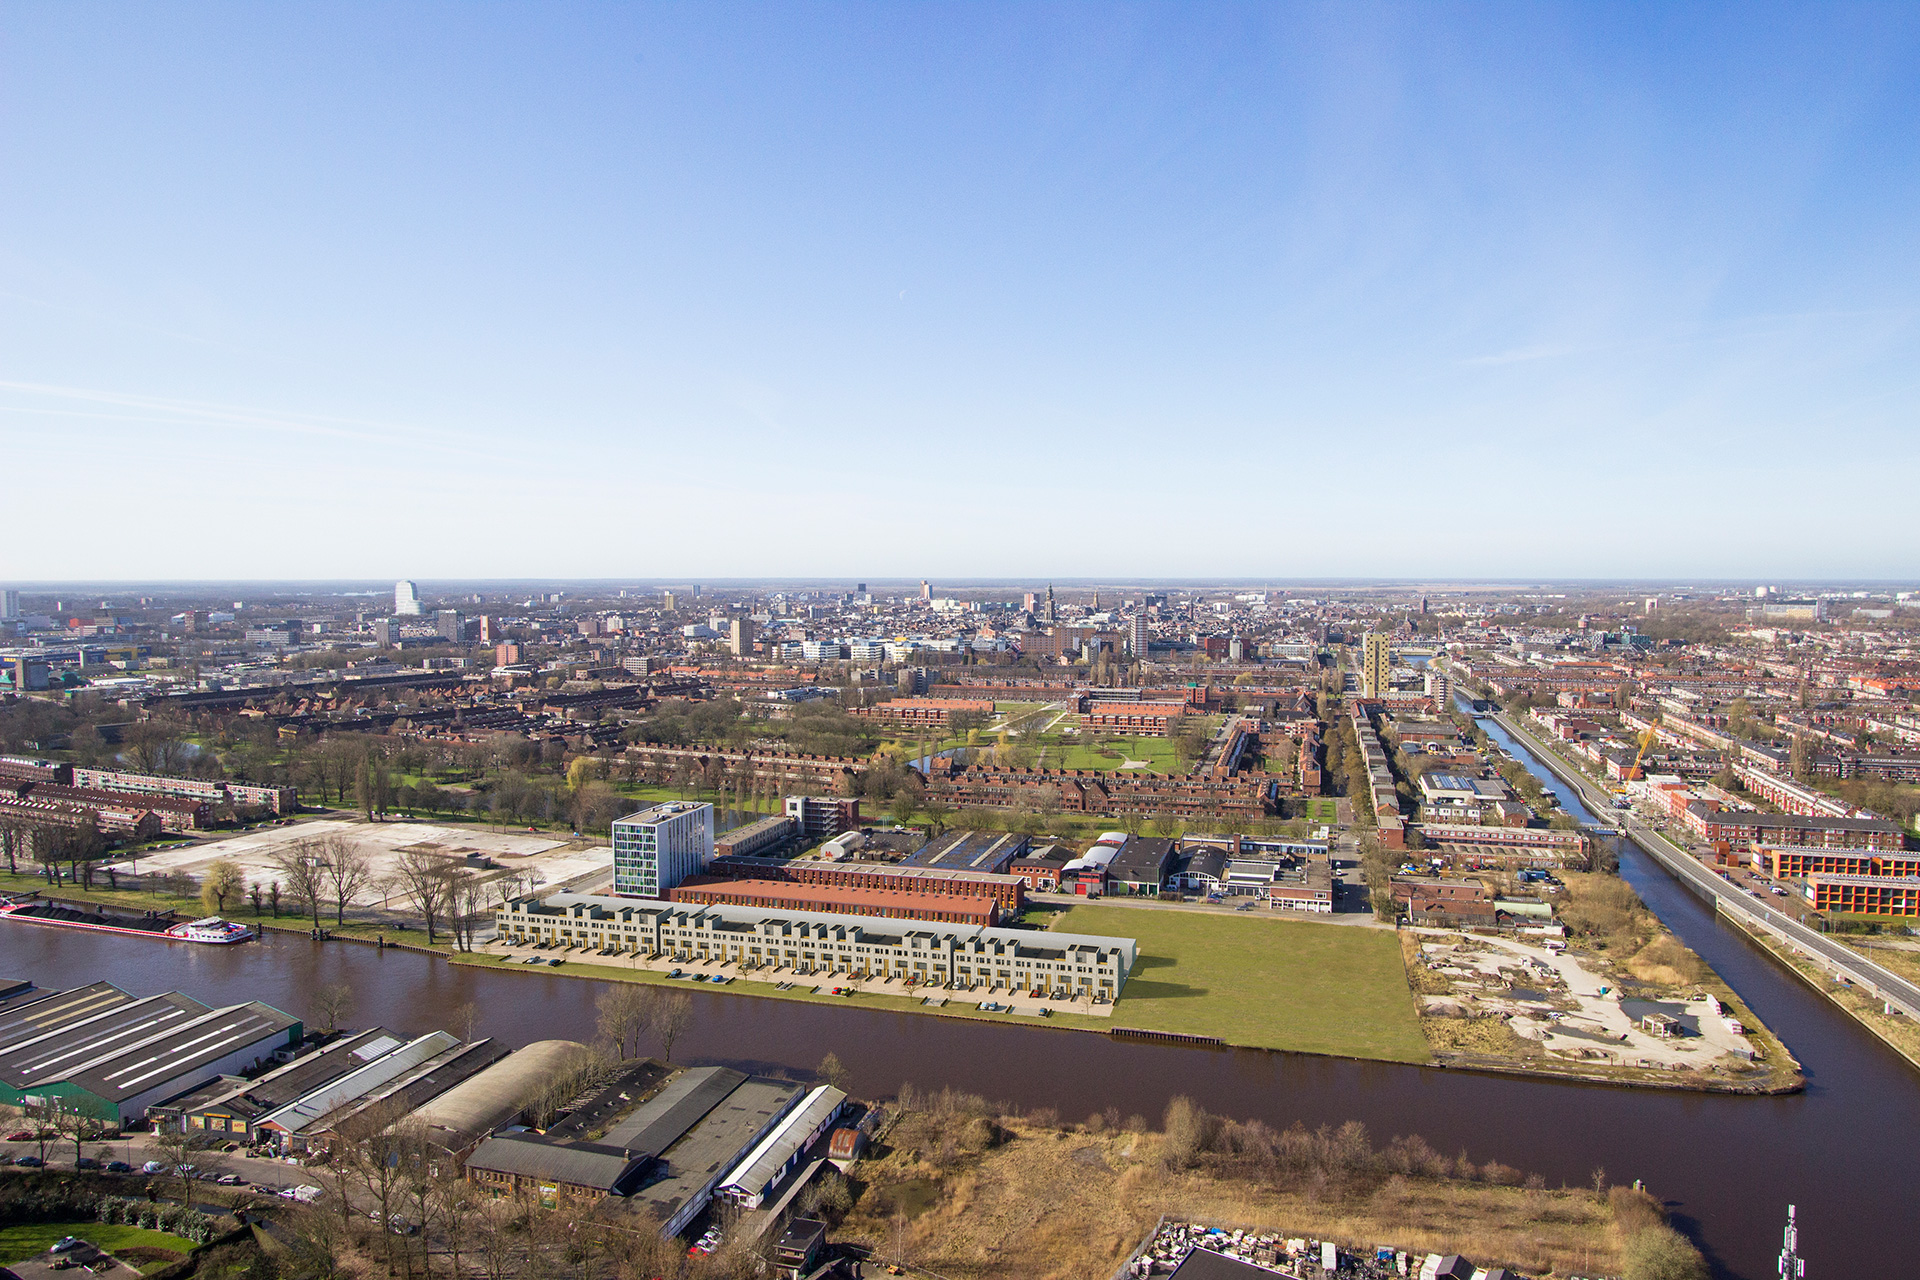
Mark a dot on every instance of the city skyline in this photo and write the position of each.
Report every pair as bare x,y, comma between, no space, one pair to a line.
1008,266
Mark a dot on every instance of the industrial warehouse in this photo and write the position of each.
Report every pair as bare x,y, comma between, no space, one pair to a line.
108,1055
921,952
664,1142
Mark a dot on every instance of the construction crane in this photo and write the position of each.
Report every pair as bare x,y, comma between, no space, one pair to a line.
1647,739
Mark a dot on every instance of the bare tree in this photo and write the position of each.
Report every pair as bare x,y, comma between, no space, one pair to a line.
303,873
347,871
464,1018
625,1012
672,1018
332,1005
428,883
73,1125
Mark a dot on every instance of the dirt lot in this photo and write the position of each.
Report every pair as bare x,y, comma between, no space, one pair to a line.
555,861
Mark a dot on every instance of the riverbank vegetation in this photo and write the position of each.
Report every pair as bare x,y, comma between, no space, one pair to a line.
968,1190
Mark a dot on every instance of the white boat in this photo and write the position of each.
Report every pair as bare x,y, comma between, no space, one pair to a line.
212,929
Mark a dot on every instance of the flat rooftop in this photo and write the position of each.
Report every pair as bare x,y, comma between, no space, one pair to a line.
696,1162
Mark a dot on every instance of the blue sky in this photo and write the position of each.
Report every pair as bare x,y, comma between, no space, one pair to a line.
1268,291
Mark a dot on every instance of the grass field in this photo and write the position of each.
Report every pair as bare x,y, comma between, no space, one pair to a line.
1321,809
1085,752
26,1240
1271,984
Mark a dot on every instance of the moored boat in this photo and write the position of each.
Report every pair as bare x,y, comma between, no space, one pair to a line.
211,929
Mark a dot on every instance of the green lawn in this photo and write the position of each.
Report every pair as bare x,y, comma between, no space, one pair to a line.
26,1240
1273,984
1321,809
1092,751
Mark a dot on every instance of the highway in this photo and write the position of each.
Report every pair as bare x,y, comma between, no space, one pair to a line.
1728,898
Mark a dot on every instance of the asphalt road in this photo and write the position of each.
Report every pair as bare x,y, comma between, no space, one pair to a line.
1864,973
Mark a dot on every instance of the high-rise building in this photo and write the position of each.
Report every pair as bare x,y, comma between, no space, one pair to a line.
506,654
1376,664
447,623
926,590
9,605
741,637
1053,614
383,632
667,601
1141,638
406,599
489,629
1440,689
657,848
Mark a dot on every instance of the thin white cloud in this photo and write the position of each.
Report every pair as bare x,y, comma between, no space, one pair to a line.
164,411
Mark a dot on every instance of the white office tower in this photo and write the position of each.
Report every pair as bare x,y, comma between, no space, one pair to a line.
9,605
1142,637
406,599
657,848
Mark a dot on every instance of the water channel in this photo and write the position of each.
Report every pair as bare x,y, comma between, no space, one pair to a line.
1843,1150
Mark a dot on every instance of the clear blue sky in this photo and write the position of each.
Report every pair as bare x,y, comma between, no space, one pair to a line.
921,289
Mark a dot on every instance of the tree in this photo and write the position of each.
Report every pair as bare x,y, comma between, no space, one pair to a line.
346,871
625,1012
301,870
332,1005
832,1071
464,1018
173,1145
72,1124
672,1017
223,880
428,883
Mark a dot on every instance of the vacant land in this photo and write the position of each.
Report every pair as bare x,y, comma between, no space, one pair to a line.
1263,982
27,1240
966,1193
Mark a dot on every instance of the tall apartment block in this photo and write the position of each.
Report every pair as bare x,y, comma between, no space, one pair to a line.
1376,664
657,848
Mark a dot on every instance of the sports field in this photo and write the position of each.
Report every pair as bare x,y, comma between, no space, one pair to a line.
1273,984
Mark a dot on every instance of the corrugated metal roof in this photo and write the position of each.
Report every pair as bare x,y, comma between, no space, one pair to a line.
312,1108
45,1010
180,1050
581,1164
764,1162
661,1121
493,1097
71,1046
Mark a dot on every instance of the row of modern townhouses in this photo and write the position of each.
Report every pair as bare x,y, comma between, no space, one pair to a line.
924,952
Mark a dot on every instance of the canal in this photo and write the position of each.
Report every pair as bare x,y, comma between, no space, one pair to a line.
1843,1150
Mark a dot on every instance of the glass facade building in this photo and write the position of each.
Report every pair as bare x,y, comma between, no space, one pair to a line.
657,848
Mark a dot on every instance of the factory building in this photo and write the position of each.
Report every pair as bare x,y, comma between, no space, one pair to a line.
110,1055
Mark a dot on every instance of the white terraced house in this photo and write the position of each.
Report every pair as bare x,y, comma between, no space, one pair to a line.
809,942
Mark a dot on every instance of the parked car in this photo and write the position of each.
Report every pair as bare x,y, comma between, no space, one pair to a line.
153,1166
5,1159
66,1243
29,1162
229,1180
86,1162
119,1166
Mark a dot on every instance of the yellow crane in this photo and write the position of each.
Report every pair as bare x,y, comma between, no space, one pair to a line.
1647,739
